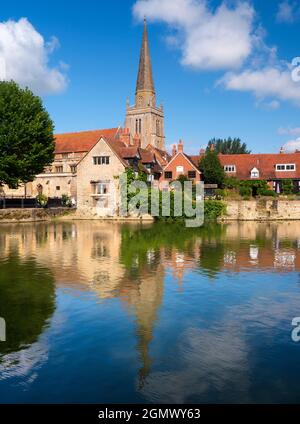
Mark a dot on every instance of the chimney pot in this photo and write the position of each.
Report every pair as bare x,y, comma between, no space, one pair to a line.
180,146
174,150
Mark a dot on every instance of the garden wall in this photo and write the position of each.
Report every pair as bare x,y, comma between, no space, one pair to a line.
262,210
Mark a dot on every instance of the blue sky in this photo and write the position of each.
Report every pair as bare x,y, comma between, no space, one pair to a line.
220,69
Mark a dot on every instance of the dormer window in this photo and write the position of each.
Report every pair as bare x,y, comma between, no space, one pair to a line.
229,168
254,173
286,167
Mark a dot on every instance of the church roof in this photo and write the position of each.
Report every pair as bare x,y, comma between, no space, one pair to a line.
84,141
145,78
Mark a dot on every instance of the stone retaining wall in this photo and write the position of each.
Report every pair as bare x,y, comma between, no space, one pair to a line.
263,210
32,215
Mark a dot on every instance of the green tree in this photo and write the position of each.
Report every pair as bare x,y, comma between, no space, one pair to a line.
228,146
287,186
212,169
26,135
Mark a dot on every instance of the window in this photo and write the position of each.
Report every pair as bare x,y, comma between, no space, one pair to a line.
286,167
138,126
192,174
179,170
73,168
57,188
157,127
168,175
229,168
255,173
102,188
65,155
101,160
290,167
59,169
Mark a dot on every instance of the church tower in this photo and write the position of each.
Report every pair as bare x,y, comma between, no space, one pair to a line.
145,119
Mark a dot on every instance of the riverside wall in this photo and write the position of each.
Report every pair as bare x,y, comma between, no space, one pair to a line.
262,210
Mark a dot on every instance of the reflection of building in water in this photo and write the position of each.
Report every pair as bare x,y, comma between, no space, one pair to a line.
143,298
86,255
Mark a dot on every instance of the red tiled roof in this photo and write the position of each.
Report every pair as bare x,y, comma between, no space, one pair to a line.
146,156
265,163
195,160
82,141
162,156
120,149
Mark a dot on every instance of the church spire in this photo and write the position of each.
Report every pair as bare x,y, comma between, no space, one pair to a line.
145,78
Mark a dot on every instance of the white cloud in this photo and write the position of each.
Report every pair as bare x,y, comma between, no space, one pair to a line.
292,145
229,38
219,39
24,56
265,82
287,12
289,131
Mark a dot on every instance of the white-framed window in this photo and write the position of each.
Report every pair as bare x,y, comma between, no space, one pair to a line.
254,173
179,169
102,188
101,160
229,168
285,167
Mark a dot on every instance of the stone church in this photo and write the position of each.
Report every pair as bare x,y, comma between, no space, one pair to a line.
145,118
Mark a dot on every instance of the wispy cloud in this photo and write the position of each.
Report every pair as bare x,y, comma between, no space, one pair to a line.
220,39
24,56
267,82
289,131
228,38
288,12
292,145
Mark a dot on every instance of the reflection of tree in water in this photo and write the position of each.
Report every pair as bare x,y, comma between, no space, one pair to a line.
140,245
27,301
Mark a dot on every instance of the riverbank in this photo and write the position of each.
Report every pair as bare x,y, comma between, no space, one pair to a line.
33,215
62,214
262,210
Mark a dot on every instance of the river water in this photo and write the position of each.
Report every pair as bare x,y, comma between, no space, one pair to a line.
108,313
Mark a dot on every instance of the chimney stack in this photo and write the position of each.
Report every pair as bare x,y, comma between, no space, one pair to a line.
202,152
180,146
174,150
137,140
125,136
281,150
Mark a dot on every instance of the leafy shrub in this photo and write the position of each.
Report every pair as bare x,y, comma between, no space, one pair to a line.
269,193
220,193
245,191
213,209
287,187
42,200
231,183
66,201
